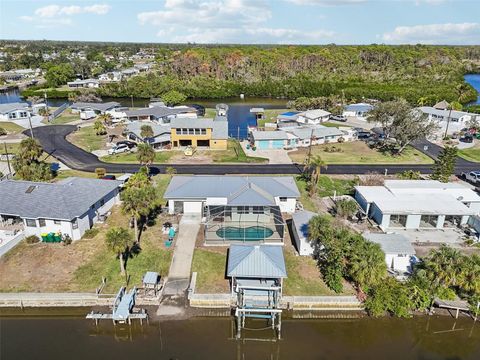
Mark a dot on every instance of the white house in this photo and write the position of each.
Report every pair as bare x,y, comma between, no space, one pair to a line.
98,108
359,110
442,115
313,117
418,204
69,207
300,221
14,111
399,252
320,135
87,83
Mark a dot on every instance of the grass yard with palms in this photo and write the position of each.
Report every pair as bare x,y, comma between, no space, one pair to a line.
358,152
87,139
11,127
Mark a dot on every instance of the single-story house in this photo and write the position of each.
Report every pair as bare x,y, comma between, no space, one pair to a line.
256,272
159,114
398,250
320,135
14,111
418,204
359,110
441,105
278,139
87,83
161,133
313,117
289,116
235,208
200,132
300,220
69,207
455,116
98,108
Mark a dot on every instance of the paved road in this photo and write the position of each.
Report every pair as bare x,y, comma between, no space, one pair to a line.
53,141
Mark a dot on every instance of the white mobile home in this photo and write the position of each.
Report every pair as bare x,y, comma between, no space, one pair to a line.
313,117
14,111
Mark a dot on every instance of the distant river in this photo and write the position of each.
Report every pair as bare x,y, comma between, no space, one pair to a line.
239,116
59,338
474,80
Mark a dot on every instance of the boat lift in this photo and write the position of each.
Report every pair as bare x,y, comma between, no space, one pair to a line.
123,309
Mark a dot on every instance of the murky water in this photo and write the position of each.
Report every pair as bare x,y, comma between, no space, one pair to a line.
211,338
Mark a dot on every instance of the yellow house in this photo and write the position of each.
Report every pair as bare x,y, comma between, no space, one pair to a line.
199,132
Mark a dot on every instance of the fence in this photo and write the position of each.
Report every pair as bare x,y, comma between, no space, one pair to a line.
335,303
58,112
11,244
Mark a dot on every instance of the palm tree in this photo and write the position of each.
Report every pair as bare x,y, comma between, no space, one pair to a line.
29,149
170,171
106,119
99,128
469,277
454,105
119,241
367,266
422,101
442,266
145,154
315,165
146,131
138,202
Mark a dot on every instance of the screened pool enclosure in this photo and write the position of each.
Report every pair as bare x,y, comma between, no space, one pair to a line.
243,224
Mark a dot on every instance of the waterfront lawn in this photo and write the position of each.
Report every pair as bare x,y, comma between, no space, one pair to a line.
80,266
10,127
131,157
271,116
210,266
210,113
86,139
304,278
234,154
358,152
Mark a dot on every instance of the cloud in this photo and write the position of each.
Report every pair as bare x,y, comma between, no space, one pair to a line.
222,21
51,11
451,34
327,2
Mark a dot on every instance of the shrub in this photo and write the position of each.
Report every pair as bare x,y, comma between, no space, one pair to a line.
90,233
67,240
3,131
345,208
32,239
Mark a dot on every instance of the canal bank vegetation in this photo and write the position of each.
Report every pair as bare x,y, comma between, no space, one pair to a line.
342,254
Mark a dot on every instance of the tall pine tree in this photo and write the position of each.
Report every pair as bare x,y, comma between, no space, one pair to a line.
445,164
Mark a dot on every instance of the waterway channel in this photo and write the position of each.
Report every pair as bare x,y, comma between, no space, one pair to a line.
73,337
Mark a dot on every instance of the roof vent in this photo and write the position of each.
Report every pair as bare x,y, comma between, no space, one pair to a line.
460,198
30,189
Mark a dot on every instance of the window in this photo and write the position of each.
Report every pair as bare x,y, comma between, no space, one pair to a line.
190,132
75,224
258,210
57,222
42,222
12,115
184,131
242,209
203,131
31,222
92,207
102,202
283,199
23,114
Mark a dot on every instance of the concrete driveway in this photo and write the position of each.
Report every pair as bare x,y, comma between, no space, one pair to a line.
274,156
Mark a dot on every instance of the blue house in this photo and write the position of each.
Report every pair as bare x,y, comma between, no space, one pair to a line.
264,140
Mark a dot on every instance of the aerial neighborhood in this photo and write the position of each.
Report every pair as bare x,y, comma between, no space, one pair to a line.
148,188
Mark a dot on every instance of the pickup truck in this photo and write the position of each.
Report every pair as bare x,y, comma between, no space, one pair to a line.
472,176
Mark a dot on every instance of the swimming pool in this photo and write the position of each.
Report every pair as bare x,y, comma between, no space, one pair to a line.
289,113
251,233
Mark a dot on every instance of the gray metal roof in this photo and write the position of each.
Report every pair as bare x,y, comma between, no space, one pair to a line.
269,135
6,108
157,111
361,107
234,188
256,261
200,123
136,128
301,220
391,243
95,106
220,129
305,132
64,200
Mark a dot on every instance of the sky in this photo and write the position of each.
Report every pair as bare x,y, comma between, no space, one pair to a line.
245,21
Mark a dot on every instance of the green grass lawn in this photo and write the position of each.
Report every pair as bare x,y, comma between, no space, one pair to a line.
327,186
358,152
10,127
270,116
210,113
305,197
63,174
331,124
304,278
210,268
66,117
86,139
160,157
471,154
234,154
12,148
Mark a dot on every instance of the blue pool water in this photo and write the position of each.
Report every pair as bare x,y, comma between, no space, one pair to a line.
474,80
251,233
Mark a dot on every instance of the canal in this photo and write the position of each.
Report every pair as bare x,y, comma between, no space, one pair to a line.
474,80
432,337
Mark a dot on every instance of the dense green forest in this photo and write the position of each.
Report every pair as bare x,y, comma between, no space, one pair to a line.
353,72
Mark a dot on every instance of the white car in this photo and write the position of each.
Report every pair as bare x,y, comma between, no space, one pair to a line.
118,149
472,176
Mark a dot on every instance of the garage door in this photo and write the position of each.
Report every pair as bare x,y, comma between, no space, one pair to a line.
192,207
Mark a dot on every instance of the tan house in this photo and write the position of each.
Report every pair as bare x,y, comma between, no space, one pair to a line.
200,132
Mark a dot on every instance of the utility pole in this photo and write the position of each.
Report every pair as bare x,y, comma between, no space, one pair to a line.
30,123
448,122
131,96
310,148
46,103
8,159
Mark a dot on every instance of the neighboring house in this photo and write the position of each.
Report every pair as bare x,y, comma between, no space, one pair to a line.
256,275
200,132
399,252
278,139
98,108
442,105
359,110
87,83
299,228
460,117
289,116
313,117
126,73
159,114
113,76
14,111
161,133
69,207
320,135
235,208
418,204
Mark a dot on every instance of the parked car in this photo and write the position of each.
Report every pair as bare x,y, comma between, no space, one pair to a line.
472,176
338,118
130,144
364,135
109,177
466,138
118,149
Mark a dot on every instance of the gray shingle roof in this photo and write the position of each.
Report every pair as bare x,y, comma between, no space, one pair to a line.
201,123
95,106
305,132
6,108
157,111
301,220
391,243
64,200
269,135
237,189
256,261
